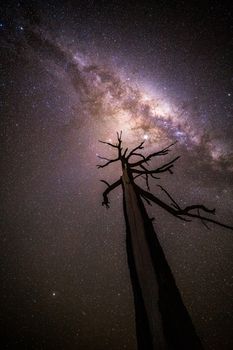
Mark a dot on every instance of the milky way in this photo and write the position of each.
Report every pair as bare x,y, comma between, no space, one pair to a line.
118,102
73,74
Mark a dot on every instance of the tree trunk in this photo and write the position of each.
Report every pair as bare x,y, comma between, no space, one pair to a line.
162,321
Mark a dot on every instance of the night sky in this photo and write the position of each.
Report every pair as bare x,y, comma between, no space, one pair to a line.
74,72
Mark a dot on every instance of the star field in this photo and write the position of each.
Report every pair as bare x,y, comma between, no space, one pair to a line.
71,74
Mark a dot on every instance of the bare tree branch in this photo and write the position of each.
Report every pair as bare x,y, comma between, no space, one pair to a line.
131,153
105,182
174,208
103,158
202,207
108,143
142,173
109,161
119,136
176,205
148,158
139,155
137,176
147,200
179,213
117,146
156,200
146,178
108,190
203,222
203,218
166,167
124,154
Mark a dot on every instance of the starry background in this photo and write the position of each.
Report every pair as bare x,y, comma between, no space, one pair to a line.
78,71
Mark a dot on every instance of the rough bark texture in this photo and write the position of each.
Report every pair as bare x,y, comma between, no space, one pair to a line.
162,321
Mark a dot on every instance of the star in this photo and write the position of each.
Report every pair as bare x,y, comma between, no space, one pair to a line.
64,88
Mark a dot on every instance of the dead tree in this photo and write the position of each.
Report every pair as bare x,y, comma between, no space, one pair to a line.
162,320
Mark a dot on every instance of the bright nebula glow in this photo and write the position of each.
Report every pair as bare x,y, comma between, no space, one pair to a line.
106,100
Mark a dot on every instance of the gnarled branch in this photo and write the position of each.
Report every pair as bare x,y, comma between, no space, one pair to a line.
156,200
108,143
182,214
131,153
174,203
117,146
108,190
109,161
166,167
185,214
162,152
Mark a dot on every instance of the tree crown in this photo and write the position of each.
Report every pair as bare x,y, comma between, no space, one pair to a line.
139,168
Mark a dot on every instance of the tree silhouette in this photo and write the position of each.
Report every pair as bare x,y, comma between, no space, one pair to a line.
162,320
